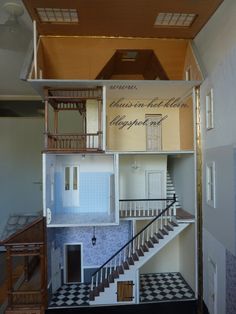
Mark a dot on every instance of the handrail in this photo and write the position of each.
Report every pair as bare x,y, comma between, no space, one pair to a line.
145,199
134,237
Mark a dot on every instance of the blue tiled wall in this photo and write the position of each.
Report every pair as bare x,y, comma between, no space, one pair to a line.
109,240
94,193
230,283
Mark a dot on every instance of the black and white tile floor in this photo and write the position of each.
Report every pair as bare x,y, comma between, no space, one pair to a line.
164,287
153,288
71,295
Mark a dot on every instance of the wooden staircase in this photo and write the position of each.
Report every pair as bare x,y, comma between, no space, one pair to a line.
123,265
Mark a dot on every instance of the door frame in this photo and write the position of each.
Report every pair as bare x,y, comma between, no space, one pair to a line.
65,262
163,181
160,130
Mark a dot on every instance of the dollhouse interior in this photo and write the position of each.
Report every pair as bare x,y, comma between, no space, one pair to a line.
119,174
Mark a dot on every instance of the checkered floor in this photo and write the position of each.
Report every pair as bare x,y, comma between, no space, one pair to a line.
164,287
71,295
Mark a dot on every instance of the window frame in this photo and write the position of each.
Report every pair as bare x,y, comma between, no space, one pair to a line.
210,110
211,184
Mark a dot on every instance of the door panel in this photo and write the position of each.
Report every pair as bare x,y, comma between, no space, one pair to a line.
125,291
155,187
153,133
73,263
70,186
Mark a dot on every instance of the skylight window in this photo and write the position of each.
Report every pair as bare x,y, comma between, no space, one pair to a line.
129,55
174,19
57,15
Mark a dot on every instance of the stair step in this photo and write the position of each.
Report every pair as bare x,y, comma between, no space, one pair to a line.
135,257
115,274
144,248
106,283
159,236
164,232
154,239
130,261
110,278
169,228
149,244
173,223
140,252
120,270
125,265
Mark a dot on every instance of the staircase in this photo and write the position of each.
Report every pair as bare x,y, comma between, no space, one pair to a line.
170,189
123,265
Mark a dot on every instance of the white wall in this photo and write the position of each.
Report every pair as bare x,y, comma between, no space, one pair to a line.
21,142
181,170
216,252
167,260
88,163
187,255
132,182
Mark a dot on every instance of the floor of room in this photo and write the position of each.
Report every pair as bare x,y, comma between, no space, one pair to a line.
153,288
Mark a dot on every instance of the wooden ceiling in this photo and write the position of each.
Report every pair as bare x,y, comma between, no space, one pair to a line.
124,18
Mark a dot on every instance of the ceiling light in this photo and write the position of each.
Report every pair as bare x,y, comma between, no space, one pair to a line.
57,15
175,19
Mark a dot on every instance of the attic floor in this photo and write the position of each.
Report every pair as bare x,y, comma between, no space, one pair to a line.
153,288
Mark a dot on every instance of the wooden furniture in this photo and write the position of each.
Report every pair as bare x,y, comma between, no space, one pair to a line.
30,295
73,99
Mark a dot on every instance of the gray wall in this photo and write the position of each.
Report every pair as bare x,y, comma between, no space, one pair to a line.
216,44
181,170
21,142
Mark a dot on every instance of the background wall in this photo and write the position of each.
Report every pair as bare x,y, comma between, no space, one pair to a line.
135,138
109,240
132,182
21,143
94,182
85,57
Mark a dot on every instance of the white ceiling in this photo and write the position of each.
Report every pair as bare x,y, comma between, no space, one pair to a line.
13,48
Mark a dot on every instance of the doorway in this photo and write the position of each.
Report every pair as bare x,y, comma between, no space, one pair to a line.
153,132
71,186
73,263
155,187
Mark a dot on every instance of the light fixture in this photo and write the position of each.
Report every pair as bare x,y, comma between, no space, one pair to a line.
94,239
14,11
83,156
135,166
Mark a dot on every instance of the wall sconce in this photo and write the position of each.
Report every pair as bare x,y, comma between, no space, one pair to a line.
135,166
83,156
94,239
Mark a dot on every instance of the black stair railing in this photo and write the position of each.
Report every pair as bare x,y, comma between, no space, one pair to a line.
138,242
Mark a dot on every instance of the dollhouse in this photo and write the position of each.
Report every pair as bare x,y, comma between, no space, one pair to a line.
119,165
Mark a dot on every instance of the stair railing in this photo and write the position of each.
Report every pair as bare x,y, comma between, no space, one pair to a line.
126,254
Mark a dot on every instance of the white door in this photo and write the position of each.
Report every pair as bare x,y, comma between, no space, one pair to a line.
212,287
153,132
155,187
55,270
71,186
